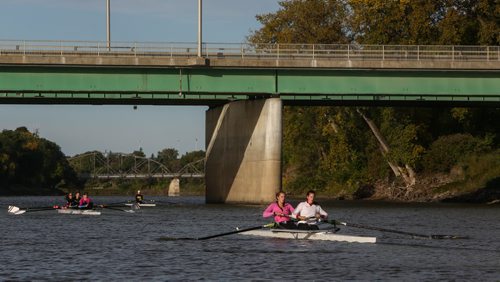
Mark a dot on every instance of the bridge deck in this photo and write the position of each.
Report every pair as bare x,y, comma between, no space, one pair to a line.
250,55
58,72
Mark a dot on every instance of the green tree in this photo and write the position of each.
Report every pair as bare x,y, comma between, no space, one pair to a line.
304,21
170,158
448,150
29,161
167,155
447,22
394,22
488,16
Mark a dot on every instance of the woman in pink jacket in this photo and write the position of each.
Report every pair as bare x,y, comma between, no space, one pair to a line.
282,212
85,202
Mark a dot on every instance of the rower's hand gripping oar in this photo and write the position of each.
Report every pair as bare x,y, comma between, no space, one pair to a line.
269,225
397,231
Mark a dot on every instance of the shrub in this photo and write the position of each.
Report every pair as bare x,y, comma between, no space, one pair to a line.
449,150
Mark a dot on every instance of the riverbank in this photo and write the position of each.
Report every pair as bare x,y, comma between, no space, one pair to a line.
455,187
475,183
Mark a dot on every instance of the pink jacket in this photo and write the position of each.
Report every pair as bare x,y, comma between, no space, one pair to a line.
274,209
84,202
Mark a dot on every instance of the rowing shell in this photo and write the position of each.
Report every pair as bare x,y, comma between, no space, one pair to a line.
76,211
141,205
309,235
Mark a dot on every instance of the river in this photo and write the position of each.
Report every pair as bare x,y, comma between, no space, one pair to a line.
118,246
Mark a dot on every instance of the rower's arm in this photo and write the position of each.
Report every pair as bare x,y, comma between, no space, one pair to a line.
322,213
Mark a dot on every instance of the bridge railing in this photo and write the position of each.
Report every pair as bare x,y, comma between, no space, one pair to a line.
252,51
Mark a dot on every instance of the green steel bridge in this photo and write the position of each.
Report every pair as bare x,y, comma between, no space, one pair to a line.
129,166
82,72
245,87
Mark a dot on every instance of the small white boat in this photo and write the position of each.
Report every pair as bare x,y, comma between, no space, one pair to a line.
141,205
309,235
77,211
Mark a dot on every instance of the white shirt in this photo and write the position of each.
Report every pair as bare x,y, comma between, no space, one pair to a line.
304,209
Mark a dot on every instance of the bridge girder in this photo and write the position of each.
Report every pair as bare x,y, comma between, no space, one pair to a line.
216,86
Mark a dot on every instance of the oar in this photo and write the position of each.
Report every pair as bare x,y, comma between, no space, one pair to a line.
17,210
397,231
269,225
116,204
114,208
113,205
134,205
164,202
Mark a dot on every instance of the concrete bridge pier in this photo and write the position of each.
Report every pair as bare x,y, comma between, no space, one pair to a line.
243,161
174,188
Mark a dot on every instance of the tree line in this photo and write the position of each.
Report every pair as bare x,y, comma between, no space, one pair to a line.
33,165
423,22
392,152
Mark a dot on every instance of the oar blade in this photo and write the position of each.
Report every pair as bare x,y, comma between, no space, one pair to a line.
13,209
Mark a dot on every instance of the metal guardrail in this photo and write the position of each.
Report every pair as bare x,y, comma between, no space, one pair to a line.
252,51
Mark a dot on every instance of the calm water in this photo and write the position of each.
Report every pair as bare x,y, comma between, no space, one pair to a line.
119,246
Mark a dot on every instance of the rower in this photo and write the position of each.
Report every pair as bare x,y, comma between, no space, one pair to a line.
139,198
282,212
70,201
85,202
309,212
77,198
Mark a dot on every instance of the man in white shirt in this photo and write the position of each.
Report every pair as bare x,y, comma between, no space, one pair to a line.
308,213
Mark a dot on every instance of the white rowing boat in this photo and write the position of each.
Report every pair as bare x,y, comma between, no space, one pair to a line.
309,235
141,205
77,211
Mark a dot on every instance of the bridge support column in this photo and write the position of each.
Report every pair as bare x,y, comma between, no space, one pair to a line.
174,188
243,141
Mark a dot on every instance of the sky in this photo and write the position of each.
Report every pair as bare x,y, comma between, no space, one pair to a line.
81,128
